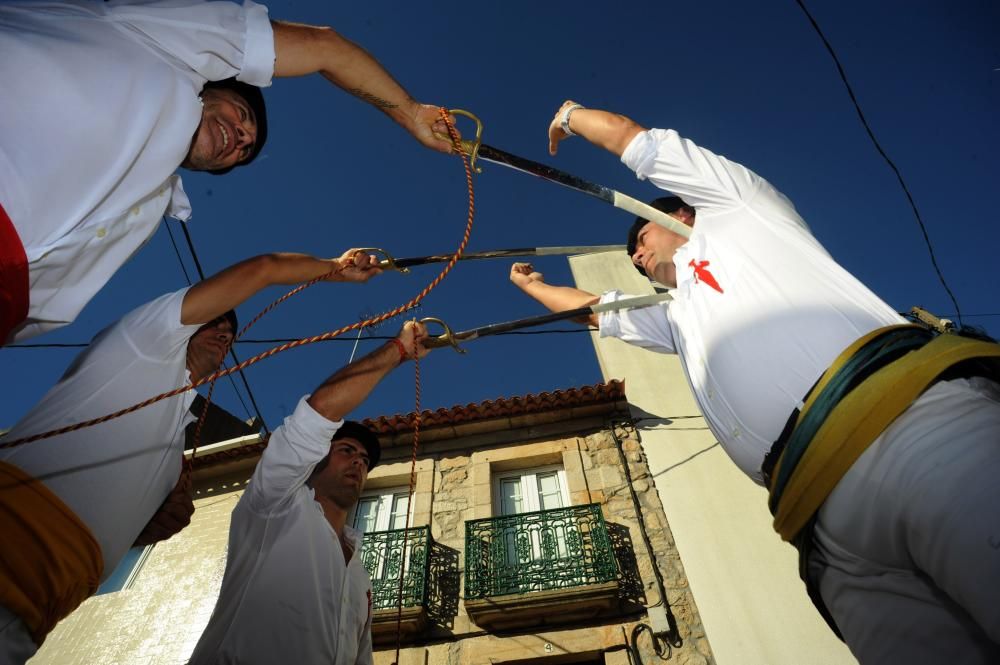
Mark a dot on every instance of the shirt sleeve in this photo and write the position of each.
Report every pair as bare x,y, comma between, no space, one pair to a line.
154,330
647,327
706,181
214,40
301,441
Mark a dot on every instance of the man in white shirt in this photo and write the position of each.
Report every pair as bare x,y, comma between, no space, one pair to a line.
295,589
102,101
72,505
760,311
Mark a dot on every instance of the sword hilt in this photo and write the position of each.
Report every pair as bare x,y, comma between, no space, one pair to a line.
446,339
386,261
467,146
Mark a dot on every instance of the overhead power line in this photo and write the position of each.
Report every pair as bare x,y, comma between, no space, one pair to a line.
232,351
878,147
284,340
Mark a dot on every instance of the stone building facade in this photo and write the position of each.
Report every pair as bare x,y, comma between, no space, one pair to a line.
536,537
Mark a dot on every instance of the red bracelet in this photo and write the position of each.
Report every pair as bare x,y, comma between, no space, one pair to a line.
403,355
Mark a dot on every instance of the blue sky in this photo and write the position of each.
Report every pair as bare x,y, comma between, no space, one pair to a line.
751,81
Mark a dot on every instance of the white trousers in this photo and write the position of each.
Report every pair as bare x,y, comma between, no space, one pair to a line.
16,646
907,554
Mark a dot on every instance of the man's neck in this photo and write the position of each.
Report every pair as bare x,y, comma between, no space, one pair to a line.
196,374
335,515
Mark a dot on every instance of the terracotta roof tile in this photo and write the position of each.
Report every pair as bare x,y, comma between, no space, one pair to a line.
500,407
503,407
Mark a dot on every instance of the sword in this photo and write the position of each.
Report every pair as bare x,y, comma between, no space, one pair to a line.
389,262
476,149
450,338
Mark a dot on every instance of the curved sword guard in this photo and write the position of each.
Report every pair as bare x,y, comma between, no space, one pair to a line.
385,259
469,147
446,339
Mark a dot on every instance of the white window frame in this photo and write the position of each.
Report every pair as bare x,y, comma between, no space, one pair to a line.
107,587
386,496
529,486
529,491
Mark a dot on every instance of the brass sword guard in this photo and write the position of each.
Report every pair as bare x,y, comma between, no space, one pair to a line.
468,146
446,339
385,260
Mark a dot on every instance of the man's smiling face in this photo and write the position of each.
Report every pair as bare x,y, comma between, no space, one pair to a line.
226,134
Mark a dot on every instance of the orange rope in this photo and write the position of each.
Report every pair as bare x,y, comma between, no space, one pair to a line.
289,345
189,465
409,502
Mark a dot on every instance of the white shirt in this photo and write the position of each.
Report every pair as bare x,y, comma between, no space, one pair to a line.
783,309
287,595
99,106
115,475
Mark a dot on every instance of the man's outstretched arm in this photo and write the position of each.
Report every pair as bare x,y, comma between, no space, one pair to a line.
610,131
303,439
226,290
556,298
351,385
305,49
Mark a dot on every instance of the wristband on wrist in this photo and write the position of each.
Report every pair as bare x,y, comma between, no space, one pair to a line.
403,355
564,118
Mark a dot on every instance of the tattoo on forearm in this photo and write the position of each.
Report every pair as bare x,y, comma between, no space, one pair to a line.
374,100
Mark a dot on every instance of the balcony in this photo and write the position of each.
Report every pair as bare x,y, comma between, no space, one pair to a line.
543,567
382,554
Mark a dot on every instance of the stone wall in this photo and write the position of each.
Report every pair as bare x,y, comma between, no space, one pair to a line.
461,489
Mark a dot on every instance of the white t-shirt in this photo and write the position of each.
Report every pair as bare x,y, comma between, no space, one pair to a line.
287,595
760,309
99,103
115,475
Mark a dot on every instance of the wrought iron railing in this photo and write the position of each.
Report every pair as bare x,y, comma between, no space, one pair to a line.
382,555
545,549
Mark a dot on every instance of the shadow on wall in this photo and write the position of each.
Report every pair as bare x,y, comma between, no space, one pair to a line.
631,592
443,586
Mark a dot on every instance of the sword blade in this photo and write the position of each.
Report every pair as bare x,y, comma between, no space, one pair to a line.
606,194
507,326
497,156
501,253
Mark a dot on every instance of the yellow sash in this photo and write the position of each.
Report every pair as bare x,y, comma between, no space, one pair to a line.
49,560
864,414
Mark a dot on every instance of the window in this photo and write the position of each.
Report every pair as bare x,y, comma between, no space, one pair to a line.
529,491
381,515
534,489
382,510
126,571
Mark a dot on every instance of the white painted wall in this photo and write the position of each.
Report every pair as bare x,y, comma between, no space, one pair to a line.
744,578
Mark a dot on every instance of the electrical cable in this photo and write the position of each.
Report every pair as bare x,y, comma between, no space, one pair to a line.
232,352
177,251
282,340
673,638
187,278
878,147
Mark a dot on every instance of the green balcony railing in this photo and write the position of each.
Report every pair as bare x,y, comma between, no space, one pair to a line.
546,549
382,555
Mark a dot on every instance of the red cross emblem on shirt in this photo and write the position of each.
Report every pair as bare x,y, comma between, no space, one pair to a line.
701,274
